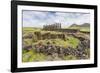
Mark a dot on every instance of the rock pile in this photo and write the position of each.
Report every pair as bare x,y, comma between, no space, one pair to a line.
49,49
59,52
43,36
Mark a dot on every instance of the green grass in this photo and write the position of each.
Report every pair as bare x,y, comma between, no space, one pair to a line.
26,56
70,41
32,56
73,42
88,52
86,29
57,42
70,57
27,41
27,30
31,29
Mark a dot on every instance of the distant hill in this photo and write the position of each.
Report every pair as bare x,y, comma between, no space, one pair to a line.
83,27
73,25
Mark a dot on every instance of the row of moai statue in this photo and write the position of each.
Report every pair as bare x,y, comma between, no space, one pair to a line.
52,26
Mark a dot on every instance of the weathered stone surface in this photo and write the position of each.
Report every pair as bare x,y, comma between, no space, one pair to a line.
50,49
58,52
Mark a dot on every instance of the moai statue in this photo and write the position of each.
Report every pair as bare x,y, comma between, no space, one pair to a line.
60,25
48,27
43,26
51,27
56,26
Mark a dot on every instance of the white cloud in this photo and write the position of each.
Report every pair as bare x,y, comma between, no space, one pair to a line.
40,18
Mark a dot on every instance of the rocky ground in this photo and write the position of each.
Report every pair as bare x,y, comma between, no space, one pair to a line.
52,52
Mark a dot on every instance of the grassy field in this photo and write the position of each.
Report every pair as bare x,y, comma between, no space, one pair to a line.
86,29
31,55
70,40
27,30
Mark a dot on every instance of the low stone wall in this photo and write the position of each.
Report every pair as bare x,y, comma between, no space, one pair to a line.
65,30
40,36
79,51
51,49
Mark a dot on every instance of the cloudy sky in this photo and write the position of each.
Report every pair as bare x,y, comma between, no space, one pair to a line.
40,18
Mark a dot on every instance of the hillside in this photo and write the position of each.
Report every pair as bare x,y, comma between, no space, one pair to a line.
83,27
